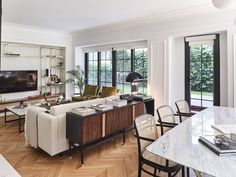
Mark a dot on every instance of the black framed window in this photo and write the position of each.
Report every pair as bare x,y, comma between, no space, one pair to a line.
141,67
92,68
123,68
202,87
110,68
106,68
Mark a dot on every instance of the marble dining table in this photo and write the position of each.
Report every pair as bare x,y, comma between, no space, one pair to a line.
181,145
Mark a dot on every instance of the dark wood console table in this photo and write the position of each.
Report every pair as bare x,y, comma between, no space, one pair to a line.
100,127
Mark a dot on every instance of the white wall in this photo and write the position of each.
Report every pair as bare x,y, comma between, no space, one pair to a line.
32,35
165,40
177,71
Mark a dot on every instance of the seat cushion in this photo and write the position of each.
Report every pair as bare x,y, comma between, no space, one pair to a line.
90,90
158,159
108,91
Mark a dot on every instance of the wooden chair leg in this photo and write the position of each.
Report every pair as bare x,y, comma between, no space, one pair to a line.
183,171
139,170
188,175
155,172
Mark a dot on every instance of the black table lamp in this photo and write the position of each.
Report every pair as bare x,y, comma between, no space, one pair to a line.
134,77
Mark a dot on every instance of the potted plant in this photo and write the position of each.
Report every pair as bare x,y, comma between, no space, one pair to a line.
77,78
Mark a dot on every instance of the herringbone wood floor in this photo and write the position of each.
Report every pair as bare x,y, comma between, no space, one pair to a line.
108,160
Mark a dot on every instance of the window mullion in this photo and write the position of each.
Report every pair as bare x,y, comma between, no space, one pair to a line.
132,59
99,69
86,68
114,66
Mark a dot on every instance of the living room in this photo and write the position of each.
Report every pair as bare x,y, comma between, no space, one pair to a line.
137,58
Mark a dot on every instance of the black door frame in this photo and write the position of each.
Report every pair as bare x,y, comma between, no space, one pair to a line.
216,48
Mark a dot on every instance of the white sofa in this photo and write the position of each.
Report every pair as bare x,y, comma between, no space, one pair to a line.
52,126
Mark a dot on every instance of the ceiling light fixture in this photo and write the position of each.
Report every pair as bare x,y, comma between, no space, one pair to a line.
223,4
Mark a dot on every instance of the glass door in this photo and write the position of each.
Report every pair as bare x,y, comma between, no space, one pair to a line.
202,73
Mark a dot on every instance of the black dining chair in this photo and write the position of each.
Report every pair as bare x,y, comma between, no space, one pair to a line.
166,118
183,110
146,133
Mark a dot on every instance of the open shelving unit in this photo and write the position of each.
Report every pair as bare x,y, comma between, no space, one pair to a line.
52,70
23,56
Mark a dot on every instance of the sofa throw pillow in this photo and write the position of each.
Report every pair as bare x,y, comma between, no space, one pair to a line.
90,90
108,91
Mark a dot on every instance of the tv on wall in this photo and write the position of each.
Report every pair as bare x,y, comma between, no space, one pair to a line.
18,81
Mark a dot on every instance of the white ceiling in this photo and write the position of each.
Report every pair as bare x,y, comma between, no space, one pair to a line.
73,15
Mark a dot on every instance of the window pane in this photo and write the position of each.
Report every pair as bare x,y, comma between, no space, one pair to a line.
90,65
196,102
195,52
120,77
207,52
201,75
127,88
207,71
108,55
108,76
141,62
103,55
196,94
119,54
120,65
95,56
127,54
127,65
103,65
120,87
195,70
109,65
207,103
90,56
103,76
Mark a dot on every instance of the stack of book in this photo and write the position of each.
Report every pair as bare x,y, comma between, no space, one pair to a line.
116,102
102,107
83,111
219,144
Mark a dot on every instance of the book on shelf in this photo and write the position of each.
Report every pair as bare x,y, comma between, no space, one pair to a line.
116,102
225,128
83,111
219,144
102,107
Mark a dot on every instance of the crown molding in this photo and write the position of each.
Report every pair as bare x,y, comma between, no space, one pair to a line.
157,18
35,28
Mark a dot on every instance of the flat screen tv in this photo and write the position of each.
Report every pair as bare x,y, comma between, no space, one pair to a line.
18,81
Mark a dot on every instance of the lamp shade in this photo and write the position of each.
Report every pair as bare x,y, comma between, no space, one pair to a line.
134,76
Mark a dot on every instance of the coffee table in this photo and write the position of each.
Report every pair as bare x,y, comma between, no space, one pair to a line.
19,111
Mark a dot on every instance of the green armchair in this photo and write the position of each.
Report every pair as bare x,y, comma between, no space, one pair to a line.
90,92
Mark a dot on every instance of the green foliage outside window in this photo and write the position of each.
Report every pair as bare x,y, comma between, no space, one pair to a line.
202,68
123,68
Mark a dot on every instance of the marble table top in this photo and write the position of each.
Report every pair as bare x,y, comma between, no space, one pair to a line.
181,143
20,111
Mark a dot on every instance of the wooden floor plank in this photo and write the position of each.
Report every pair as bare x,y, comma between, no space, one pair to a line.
112,159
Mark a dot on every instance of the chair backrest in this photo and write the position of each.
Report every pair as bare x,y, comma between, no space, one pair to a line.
108,91
165,116
91,90
145,127
182,107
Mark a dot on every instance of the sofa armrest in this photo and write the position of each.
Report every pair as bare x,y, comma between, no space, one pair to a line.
47,133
